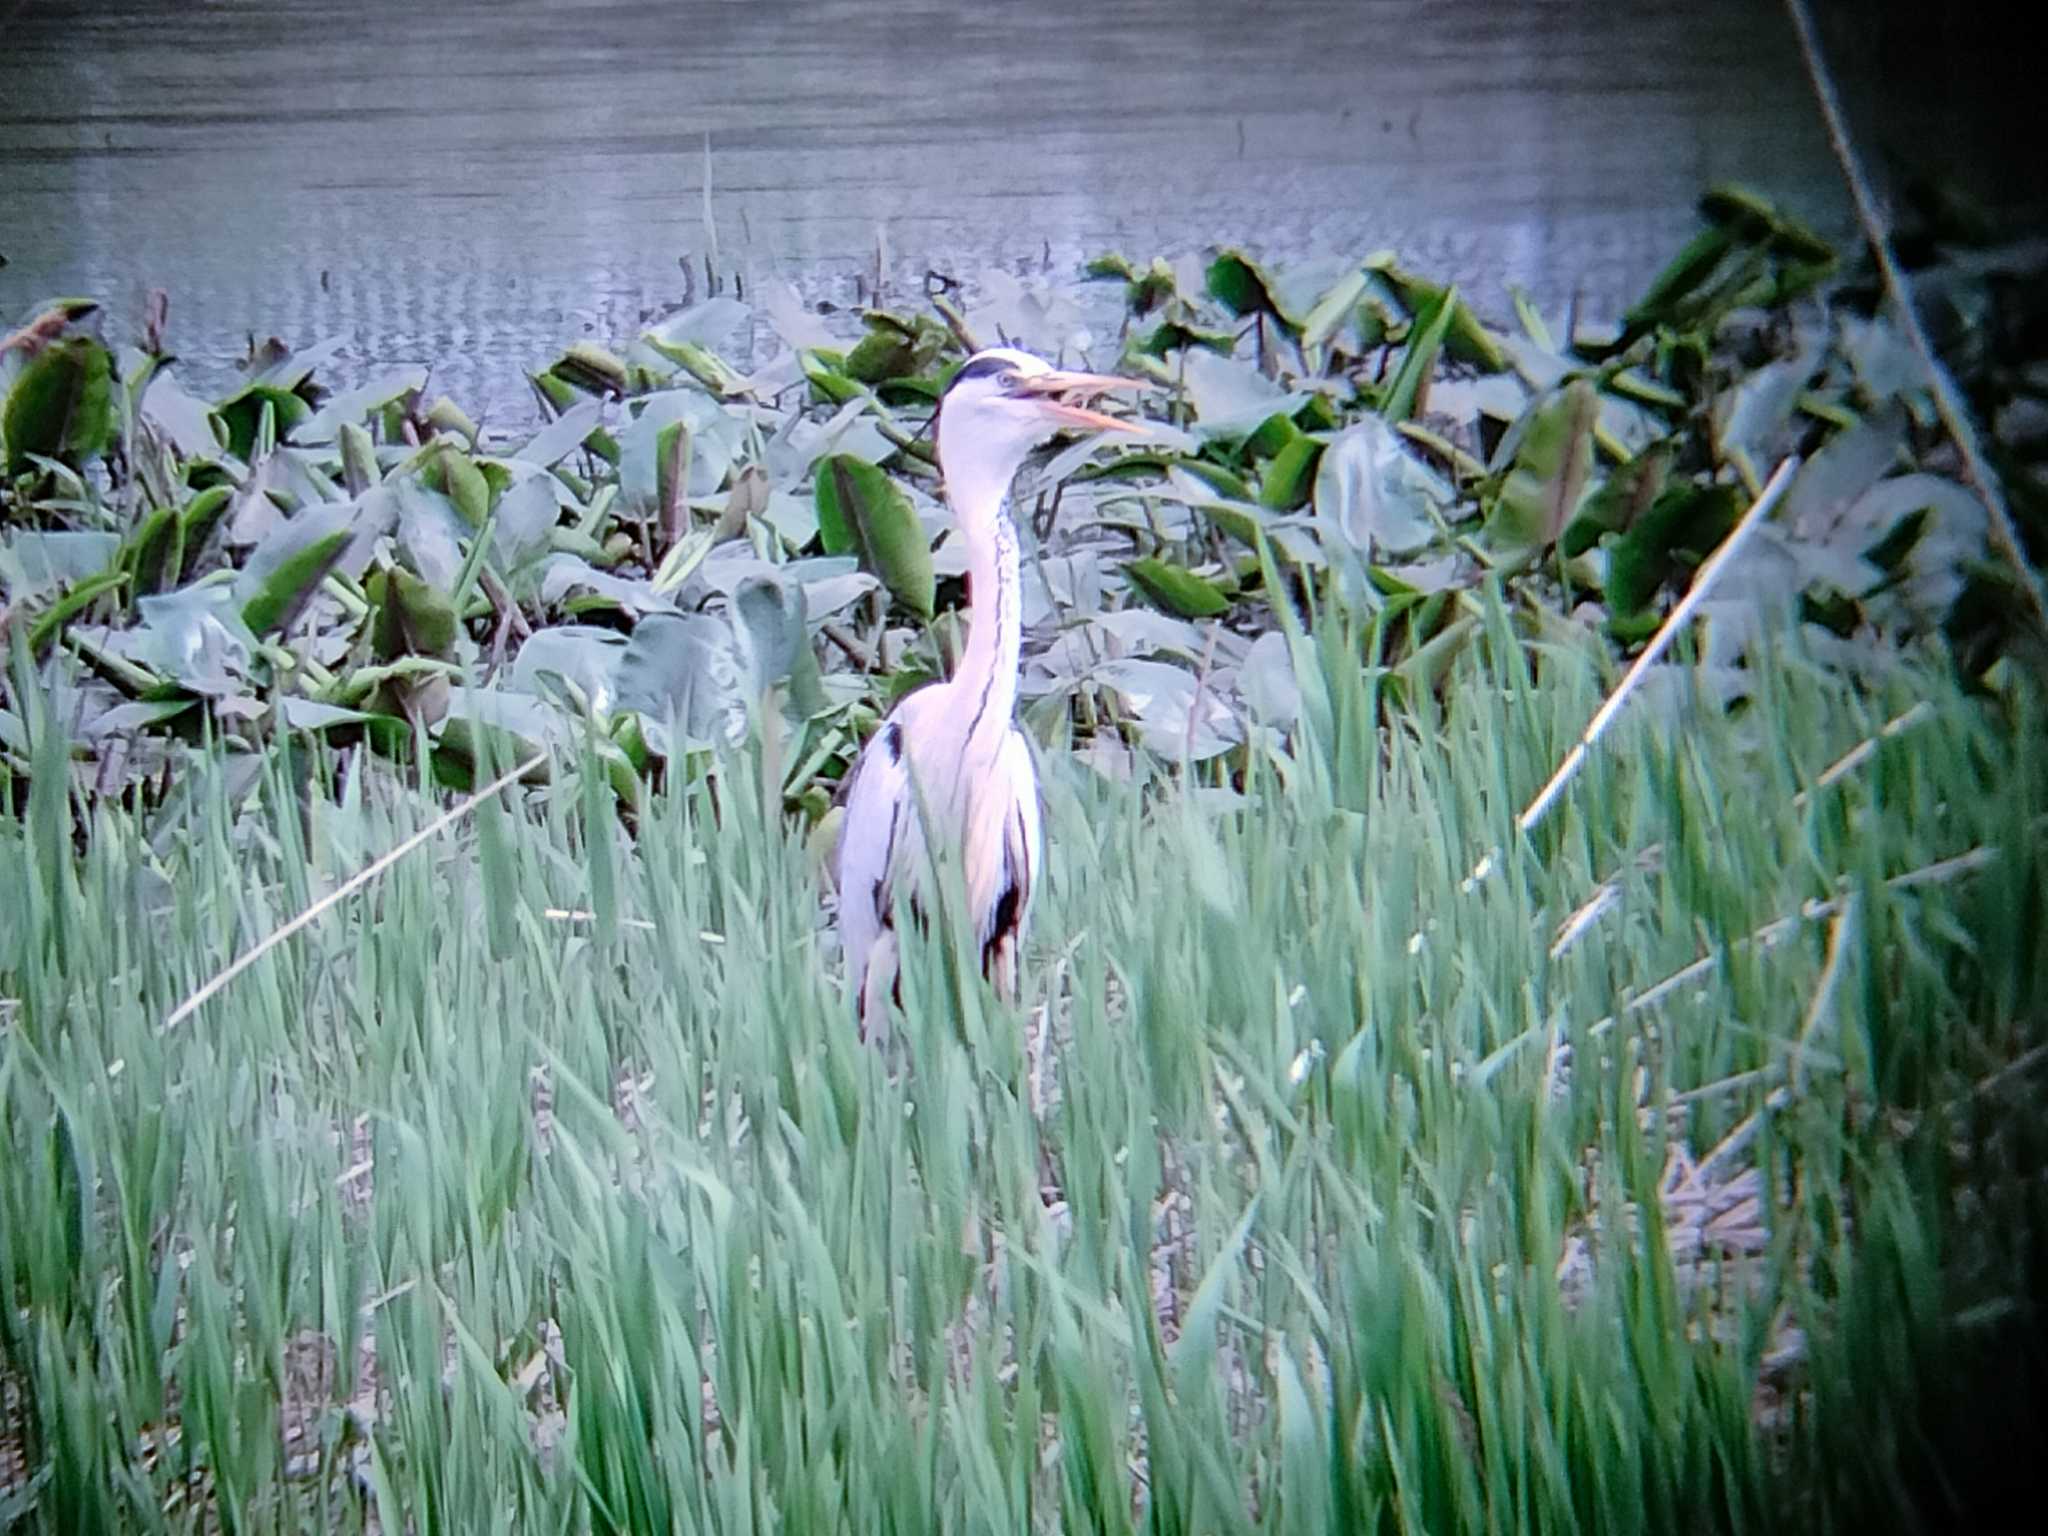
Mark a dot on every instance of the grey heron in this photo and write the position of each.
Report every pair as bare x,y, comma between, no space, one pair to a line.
954,747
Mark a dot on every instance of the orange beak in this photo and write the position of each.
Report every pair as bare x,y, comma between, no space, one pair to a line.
1062,390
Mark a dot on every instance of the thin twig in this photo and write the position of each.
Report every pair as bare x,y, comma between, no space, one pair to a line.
1824,992
1696,594
354,883
1954,418
1861,753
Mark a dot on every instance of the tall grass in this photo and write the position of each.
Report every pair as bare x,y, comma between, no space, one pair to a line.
1334,1199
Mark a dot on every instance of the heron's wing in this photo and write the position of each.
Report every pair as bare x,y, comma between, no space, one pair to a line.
880,838
1007,844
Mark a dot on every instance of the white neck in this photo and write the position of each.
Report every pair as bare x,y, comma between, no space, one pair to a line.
995,637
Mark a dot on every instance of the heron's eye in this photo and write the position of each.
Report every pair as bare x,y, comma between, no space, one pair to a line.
1009,381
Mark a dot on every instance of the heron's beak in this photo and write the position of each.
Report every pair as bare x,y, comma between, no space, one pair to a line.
1061,391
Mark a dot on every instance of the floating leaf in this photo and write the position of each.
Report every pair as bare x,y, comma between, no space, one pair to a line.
581,654
181,419
1376,495
1547,480
412,618
1620,499
1680,528
1237,282
351,407
1418,361
61,405
564,435
681,673
245,412
1290,478
526,513
770,626
1231,397
861,508
1176,590
277,598
33,563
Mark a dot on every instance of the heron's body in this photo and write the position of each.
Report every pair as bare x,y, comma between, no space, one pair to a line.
953,748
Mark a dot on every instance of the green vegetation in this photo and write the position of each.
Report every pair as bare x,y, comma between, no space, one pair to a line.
1678,1172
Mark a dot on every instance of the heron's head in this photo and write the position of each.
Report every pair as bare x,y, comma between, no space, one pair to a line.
1003,403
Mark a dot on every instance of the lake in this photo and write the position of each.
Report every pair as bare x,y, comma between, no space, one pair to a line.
474,185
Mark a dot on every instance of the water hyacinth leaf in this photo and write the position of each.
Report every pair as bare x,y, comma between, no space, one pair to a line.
1231,398
180,419
198,520
770,626
1333,309
278,595
564,435
34,562
429,531
1176,590
860,505
706,324
1549,475
359,468
1842,473
1681,277
60,406
1266,681
526,513
1678,530
581,654
155,554
351,407
260,413
1290,478
1468,340
1164,699
682,674
561,574
715,437
465,487
412,618
1373,494
1236,281
1418,361
195,635
1616,503
1750,418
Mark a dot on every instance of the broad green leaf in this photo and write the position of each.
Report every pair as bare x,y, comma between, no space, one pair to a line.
1291,477
76,600
245,412
1547,479
1418,361
1373,494
1177,590
35,562
1620,499
860,503
1467,339
1686,521
465,486
563,435
769,616
1237,282
351,407
279,598
61,405
682,673
412,618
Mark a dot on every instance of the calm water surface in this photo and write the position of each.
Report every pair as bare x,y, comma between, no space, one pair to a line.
473,185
